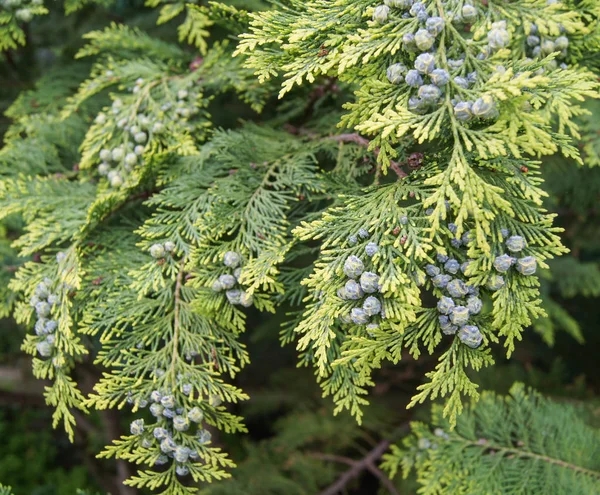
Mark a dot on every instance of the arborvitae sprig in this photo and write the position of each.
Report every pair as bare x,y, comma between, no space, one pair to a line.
406,254
430,237
512,104
170,326
459,75
170,361
56,347
517,443
155,114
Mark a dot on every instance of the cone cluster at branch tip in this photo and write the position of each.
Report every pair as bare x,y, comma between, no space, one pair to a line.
361,286
430,81
159,251
45,299
526,265
165,435
459,301
138,131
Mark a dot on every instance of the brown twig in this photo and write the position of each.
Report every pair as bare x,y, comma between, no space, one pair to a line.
349,138
9,398
112,430
371,467
86,430
318,93
352,138
333,458
300,131
383,479
361,141
357,467
176,322
11,61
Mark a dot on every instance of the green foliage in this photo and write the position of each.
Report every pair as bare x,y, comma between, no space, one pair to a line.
534,109
157,204
194,29
286,40
522,443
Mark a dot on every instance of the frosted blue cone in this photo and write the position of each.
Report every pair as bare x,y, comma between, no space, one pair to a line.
353,267
457,288
353,290
359,316
372,306
470,336
515,243
445,305
369,282
527,265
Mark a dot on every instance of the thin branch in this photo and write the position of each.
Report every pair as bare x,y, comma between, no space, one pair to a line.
87,430
531,455
9,398
349,138
111,430
318,93
176,322
383,479
110,418
11,61
361,141
369,466
333,458
366,463
352,138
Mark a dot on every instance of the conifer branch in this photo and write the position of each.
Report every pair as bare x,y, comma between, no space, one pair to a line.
349,138
172,226
176,321
491,448
513,449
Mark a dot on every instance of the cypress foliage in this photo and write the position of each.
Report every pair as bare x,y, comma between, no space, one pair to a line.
398,199
512,444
